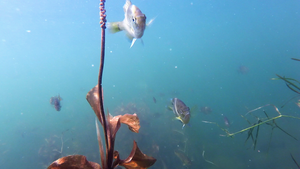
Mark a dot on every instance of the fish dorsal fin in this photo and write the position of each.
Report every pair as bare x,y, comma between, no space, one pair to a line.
126,6
133,41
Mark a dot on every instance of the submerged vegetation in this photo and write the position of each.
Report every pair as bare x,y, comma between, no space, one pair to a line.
109,156
253,129
292,84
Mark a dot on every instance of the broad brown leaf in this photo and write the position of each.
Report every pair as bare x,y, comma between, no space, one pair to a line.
74,162
131,120
137,159
93,98
114,125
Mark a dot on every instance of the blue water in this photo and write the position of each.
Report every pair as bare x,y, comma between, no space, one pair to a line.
193,50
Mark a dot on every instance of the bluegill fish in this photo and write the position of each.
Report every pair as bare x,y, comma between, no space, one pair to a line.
183,158
181,111
134,23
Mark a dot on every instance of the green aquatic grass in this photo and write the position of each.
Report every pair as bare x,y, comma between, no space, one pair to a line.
268,120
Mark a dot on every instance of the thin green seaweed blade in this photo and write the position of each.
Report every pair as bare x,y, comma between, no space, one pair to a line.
270,139
295,59
249,135
295,161
286,132
288,80
289,101
288,85
256,137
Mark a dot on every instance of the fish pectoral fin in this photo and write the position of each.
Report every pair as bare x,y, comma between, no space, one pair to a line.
150,22
132,42
178,118
183,126
114,27
170,108
174,118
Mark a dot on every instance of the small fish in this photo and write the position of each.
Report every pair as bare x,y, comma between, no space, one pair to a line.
134,23
183,158
226,121
154,100
55,101
181,111
205,110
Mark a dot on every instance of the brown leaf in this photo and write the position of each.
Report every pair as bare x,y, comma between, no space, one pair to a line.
74,162
93,98
137,160
132,121
114,124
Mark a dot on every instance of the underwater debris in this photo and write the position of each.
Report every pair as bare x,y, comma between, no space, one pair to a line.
205,110
183,158
154,100
207,160
55,102
243,69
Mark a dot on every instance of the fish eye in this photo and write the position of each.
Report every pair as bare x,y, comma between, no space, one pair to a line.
133,19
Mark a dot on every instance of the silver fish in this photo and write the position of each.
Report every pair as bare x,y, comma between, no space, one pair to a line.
181,111
226,121
134,23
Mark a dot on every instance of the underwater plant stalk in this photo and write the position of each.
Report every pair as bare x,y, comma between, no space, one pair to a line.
102,54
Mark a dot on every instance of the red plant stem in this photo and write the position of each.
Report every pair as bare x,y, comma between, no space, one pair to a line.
109,154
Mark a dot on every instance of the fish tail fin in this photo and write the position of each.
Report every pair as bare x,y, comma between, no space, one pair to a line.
114,27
